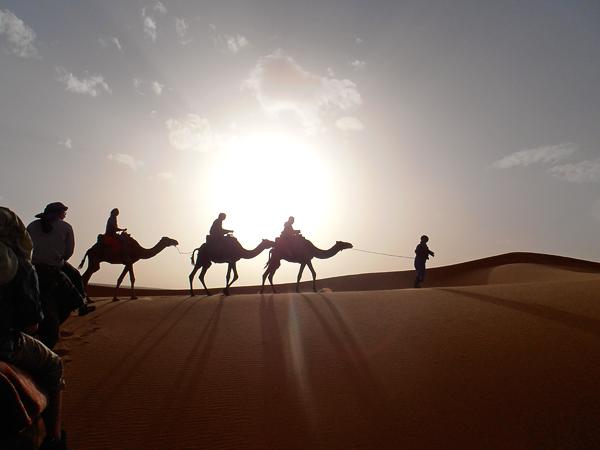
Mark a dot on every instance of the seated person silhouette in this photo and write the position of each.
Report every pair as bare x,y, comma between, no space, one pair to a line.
218,235
288,230
111,236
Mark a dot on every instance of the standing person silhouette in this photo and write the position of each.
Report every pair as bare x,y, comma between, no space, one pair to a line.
422,253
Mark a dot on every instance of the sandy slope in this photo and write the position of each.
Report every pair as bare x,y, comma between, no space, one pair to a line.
495,366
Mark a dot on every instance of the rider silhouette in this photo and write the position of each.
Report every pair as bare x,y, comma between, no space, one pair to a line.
112,228
288,230
216,230
112,232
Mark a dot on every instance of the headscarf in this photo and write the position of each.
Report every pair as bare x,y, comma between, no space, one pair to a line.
14,235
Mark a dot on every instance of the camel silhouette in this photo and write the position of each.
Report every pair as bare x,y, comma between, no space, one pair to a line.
99,253
301,251
230,253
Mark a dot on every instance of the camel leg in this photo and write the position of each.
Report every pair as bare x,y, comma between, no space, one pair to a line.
226,290
93,267
235,274
314,275
264,278
299,277
119,281
132,279
191,277
202,273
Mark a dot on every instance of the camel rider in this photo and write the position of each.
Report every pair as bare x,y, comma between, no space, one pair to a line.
112,232
112,228
288,230
216,230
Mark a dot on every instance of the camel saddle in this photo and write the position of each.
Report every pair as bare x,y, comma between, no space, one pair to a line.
115,243
21,399
289,244
221,246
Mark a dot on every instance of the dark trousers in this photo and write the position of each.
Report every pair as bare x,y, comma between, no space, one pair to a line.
420,276
59,296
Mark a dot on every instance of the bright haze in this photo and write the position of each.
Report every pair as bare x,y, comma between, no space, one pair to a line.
474,122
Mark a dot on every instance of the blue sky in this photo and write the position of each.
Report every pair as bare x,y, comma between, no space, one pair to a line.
474,122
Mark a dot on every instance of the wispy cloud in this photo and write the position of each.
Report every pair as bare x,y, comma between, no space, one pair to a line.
150,27
358,40
182,29
160,8
349,124
165,176
357,64
18,36
111,41
231,43
143,87
67,143
92,85
581,172
539,155
190,133
125,160
280,84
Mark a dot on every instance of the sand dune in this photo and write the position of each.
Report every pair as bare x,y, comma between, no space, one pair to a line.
508,362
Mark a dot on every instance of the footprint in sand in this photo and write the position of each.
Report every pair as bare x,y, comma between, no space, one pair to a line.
65,333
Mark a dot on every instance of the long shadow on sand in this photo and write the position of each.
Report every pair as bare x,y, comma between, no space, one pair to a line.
179,393
582,323
283,412
374,405
134,357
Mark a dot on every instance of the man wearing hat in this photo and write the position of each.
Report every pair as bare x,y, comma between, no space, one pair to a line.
60,283
20,314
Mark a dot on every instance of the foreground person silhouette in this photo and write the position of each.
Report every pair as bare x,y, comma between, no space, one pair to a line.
61,285
20,316
293,247
221,247
422,253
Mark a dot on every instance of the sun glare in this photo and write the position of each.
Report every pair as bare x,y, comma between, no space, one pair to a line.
262,179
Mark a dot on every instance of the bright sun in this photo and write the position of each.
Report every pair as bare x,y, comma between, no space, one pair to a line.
262,179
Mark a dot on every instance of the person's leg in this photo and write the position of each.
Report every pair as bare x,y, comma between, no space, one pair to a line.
73,274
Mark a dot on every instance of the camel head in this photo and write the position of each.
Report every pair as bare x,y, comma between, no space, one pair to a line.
343,245
168,242
267,243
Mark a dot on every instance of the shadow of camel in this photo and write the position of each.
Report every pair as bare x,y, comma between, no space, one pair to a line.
582,323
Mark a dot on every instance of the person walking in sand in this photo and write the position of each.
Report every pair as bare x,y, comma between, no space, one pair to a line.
422,253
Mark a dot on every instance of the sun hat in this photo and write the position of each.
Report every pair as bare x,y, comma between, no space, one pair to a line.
52,208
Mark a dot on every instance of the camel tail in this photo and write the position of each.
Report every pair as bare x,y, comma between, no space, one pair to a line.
192,257
83,260
269,260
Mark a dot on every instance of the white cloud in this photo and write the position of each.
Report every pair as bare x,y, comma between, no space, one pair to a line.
580,172
143,87
232,43
349,124
67,143
111,41
280,84
126,160
190,133
18,35
165,176
236,43
150,28
160,7
182,28
357,64
358,40
539,155
92,85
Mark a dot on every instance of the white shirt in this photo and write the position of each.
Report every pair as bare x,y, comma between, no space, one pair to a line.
52,248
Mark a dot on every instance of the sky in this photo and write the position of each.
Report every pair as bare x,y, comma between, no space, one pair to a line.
475,122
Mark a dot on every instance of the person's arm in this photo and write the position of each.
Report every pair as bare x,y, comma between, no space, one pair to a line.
430,252
69,244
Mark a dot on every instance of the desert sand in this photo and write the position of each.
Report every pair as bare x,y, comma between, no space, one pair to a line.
500,353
